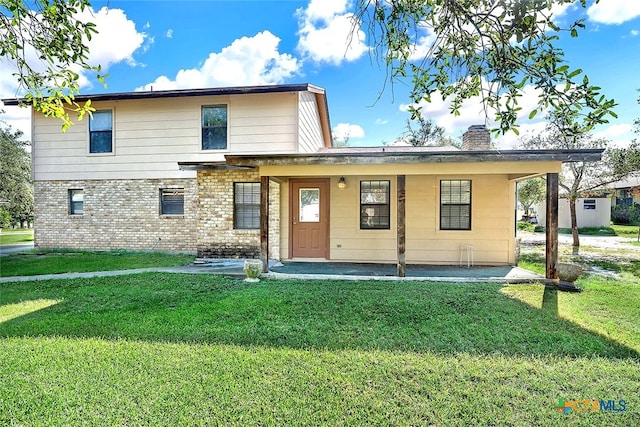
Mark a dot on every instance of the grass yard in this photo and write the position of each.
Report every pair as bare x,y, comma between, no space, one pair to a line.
170,349
10,236
54,262
630,231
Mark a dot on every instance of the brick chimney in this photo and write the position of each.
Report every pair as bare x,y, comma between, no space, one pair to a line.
477,137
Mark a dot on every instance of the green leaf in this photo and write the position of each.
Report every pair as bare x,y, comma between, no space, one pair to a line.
574,73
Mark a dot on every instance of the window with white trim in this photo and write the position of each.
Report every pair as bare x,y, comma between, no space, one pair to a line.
101,132
455,204
214,127
246,205
76,202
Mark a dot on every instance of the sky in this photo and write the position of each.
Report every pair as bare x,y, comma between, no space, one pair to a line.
144,44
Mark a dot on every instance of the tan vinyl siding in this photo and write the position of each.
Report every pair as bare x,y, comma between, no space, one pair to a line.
310,129
151,136
350,243
492,223
263,123
491,234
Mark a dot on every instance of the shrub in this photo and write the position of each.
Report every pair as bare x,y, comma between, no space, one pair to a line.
626,214
5,218
526,226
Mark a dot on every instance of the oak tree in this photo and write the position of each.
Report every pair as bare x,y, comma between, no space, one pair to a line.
16,189
492,49
46,45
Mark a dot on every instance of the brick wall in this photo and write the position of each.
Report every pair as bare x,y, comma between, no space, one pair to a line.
477,137
125,214
216,234
118,214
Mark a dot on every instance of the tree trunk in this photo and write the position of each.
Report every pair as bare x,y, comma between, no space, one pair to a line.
574,223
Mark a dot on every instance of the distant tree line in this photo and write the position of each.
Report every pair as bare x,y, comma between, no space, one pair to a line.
16,188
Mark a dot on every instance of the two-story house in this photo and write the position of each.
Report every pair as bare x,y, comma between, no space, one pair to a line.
250,171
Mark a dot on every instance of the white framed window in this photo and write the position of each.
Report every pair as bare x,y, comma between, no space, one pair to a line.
589,204
101,132
76,202
455,204
246,205
214,127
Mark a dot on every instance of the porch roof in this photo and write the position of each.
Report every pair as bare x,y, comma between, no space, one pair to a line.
387,155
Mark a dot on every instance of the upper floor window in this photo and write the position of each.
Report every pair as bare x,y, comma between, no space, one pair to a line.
455,204
214,127
76,202
246,205
101,132
172,201
375,205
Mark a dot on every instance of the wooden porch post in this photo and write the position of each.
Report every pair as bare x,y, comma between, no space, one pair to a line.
264,223
402,265
552,226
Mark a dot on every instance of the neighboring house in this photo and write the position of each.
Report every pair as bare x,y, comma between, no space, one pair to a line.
590,212
627,191
251,172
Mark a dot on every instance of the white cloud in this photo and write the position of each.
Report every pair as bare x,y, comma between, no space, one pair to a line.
511,140
345,131
169,33
635,33
247,61
619,134
381,122
472,113
614,11
325,9
329,34
116,41
117,37
423,47
18,118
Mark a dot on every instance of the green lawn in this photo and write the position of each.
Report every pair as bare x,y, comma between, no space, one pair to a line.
54,262
10,236
625,230
170,349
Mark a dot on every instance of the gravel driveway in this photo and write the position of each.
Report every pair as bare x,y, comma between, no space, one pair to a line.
605,242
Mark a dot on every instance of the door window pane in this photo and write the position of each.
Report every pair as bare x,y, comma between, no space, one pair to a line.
309,205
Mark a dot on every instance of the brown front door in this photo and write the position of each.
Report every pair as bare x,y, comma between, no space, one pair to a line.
310,218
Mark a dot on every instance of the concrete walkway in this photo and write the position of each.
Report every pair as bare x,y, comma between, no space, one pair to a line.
324,271
15,248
